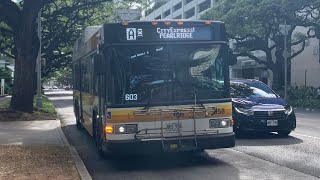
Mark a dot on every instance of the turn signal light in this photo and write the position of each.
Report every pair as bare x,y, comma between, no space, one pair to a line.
154,23
180,23
108,129
167,23
125,23
231,122
208,22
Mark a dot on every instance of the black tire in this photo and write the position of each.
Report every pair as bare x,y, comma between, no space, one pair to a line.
98,137
239,134
77,115
284,133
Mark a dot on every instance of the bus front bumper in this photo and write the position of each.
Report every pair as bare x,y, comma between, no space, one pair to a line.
173,144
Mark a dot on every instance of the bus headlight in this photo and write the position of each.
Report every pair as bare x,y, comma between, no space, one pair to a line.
126,128
223,123
219,123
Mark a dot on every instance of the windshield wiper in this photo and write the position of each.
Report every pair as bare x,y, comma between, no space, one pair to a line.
149,104
197,102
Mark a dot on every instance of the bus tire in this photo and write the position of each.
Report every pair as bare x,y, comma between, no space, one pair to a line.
98,137
77,115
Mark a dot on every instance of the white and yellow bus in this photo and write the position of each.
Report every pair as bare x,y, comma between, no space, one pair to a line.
148,86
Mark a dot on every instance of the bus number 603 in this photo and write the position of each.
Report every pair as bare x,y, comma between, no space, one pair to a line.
131,97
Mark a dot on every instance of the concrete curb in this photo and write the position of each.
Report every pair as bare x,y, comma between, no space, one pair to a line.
82,170
1,96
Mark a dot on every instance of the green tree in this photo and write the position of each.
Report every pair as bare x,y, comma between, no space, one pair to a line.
254,24
5,74
62,76
18,25
62,27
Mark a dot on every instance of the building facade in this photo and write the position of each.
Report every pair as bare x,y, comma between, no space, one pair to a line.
305,68
128,14
181,9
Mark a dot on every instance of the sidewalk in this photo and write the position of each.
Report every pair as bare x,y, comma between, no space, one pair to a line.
36,150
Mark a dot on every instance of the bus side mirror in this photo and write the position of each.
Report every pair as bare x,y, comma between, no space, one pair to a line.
231,58
98,61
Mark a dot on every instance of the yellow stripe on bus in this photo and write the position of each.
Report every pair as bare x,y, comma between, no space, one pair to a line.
127,116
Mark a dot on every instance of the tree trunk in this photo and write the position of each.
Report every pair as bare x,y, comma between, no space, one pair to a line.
24,82
278,71
27,46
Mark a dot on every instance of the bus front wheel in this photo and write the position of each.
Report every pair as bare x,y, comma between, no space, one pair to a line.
98,137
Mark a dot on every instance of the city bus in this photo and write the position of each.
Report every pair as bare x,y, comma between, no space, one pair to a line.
154,86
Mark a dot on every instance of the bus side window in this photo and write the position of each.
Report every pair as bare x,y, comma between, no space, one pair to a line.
108,79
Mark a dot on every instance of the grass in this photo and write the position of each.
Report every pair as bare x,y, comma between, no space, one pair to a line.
5,103
47,112
47,105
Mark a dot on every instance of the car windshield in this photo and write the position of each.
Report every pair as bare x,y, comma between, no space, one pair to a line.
251,90
166,74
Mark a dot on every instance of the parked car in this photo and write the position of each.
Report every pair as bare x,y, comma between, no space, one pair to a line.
67,88
257,108
55,87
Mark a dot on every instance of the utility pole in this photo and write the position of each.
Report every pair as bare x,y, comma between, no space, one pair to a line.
284,29
39,89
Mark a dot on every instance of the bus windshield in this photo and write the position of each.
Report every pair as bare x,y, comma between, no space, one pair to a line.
165,74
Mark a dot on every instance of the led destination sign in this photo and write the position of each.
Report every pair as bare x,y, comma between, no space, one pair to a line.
136,34
176,33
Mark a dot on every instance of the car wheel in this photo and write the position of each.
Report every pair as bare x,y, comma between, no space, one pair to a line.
284,133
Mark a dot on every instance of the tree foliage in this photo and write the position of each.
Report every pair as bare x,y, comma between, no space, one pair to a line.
255,26
18,31
63,22
63,76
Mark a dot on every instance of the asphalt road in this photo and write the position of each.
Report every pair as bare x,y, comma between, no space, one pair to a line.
254,157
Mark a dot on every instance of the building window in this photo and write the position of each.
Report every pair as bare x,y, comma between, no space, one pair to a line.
177,6
158,17
187,2
178,17
189,13
204,5
166,13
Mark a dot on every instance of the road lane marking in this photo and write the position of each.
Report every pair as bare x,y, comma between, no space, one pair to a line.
306,136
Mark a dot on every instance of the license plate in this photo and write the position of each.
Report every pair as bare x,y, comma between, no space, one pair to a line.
272,122
173,126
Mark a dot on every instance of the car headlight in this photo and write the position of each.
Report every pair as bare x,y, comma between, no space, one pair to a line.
126,128
288,110
247,112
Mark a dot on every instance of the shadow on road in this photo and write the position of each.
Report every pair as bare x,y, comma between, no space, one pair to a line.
63,103
266,139
164,162
141,164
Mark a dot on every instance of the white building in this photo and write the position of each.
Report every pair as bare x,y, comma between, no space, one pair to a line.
305,68
128,14
181,9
